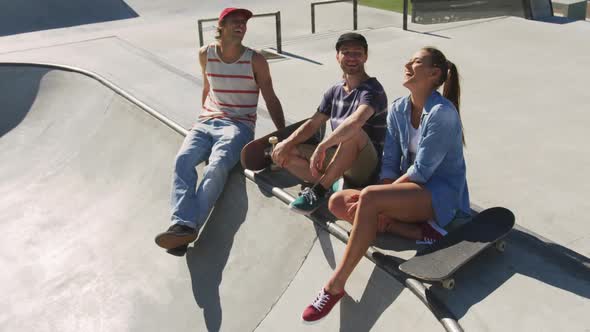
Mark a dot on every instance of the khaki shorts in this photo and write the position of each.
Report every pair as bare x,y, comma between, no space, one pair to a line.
363,169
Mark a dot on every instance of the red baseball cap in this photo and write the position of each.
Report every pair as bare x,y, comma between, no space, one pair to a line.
231,10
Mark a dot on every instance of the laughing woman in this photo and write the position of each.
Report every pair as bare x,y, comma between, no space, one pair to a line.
423,176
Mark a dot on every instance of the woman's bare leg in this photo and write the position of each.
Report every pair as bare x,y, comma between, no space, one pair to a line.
341,202
407,202
340,205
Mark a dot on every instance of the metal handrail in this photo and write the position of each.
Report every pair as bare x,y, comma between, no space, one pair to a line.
405,15
354,12
277,16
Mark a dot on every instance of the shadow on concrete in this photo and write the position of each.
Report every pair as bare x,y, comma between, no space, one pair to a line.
16,106
325,243
31,15
527,255
376,298
557,20
429,34
299,57
392,242
280,179
372,304
207,262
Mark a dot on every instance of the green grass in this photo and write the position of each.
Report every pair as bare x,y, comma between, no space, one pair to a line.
393,5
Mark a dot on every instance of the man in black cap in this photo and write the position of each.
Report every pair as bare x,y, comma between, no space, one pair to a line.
357,109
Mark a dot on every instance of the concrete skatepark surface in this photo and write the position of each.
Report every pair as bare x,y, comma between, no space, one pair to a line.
86,172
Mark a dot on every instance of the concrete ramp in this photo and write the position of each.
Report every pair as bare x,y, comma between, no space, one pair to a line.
30,15
85,181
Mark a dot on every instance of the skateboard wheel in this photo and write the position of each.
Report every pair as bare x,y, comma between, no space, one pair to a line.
500,246
273,140
448,283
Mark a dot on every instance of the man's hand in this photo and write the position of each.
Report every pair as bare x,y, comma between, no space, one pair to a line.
317,160
280,154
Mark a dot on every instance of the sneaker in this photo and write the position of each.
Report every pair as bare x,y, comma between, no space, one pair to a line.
320,307
431,232
177,235
337,186
307,202
178,251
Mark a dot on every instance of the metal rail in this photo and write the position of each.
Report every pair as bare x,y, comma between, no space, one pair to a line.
115,88
405,15
354,12
277,16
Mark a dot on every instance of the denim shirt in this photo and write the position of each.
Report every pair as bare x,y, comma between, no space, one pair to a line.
439,164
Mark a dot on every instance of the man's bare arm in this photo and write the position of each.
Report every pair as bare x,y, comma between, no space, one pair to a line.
203,62
350,127
264,81
281,152
307,130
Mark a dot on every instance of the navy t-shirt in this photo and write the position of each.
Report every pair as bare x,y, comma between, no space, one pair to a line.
339,105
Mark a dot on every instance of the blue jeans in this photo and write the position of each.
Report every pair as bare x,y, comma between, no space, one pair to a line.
218,140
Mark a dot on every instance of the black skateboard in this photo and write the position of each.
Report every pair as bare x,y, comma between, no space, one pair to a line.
256,155
439,262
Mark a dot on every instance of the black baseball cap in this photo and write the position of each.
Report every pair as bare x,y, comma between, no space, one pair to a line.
352,37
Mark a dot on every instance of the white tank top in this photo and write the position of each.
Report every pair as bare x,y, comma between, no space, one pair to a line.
414,140
233,92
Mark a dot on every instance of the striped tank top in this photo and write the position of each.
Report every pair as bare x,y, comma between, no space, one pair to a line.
233,92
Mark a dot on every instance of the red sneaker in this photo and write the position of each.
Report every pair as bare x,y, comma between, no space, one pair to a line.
321,306
431,232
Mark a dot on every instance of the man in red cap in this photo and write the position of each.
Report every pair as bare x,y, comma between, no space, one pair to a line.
233,78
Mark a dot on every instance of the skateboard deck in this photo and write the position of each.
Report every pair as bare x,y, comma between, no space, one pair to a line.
439,261
256,154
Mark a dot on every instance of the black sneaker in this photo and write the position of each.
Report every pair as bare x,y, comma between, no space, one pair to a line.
178,251
176,236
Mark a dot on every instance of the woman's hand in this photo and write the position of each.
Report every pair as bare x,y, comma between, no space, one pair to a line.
353,205
383,223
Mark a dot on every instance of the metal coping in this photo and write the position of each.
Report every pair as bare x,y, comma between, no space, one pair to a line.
173,125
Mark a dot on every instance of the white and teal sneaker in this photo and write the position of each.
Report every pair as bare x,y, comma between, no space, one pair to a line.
337,186
307,202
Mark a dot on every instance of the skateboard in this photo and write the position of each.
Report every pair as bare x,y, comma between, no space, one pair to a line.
439,261
256,155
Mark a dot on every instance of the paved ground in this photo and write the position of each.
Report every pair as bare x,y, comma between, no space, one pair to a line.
61,133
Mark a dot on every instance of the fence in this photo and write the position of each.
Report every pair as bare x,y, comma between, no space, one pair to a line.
277,16
354,12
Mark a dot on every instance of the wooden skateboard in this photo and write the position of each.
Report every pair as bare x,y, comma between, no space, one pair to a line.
256,155
440,261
